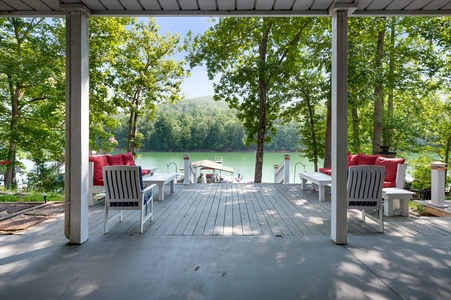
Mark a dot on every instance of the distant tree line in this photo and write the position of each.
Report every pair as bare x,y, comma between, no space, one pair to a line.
201,124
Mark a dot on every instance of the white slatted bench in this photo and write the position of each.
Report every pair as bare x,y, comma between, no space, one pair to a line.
322,180
318,179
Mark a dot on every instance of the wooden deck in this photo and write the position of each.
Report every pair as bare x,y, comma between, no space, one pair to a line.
256,209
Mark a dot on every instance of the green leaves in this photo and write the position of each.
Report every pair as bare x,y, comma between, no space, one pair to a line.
136,73
254,58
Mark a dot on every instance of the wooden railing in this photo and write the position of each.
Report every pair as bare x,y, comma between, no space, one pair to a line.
189,171
282,171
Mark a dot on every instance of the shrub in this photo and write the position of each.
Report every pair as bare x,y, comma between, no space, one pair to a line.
45,178
422,172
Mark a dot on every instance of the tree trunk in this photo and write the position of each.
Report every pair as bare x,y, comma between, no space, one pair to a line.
388,133
16,95
355,130
133,122
262,93
131,133
313,135
10,176
260,134
448,144
379,98
328,140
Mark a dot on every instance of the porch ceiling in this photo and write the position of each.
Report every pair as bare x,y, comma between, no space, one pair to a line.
224,7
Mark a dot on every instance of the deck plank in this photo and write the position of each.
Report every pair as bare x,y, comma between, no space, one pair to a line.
189,219
218,228
260,224
249,209
248,215
299,209
203,211
173,209
267,212
212,213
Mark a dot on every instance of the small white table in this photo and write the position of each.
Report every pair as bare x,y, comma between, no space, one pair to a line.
391,194
316,178
161,179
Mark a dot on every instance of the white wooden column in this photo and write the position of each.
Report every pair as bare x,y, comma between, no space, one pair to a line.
286,168
339,220
77,124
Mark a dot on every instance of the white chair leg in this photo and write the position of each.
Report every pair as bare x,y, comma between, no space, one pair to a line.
141,220
151,209
381,221
363,215
91,199
105,227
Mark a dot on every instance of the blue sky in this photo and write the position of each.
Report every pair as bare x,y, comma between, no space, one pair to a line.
198,84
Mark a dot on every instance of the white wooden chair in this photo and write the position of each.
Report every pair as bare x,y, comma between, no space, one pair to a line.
124,190
364,190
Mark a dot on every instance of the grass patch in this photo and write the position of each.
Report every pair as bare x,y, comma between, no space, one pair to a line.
30,197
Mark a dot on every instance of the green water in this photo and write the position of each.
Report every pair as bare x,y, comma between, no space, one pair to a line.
242,162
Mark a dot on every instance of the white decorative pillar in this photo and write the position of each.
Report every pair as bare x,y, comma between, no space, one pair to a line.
187,169
286,168
339,226
438,184
77,123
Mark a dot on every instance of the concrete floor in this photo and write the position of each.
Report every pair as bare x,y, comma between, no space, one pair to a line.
134,266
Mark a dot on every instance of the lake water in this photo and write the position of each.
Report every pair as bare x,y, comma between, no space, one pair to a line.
242,162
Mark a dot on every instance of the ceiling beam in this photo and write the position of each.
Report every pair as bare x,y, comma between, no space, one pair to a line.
338,6
75,7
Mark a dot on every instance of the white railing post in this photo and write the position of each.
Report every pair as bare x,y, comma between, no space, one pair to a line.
438,183
187,169
276,168
193,173
286,158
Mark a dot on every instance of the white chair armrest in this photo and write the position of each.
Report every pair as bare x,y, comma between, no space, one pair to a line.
148,188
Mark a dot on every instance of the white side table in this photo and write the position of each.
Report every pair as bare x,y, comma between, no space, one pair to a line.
161,179
317,179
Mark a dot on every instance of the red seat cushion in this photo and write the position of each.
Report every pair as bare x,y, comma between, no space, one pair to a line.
364,159
128,159
391,168
99,162
145,172
115,160
327,171
388,184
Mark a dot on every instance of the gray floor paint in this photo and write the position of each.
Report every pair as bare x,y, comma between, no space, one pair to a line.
220,267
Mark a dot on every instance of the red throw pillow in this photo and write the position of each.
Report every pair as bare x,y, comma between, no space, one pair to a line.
115,160
391,167
327,171
353,159
128,159
367,159
99,162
